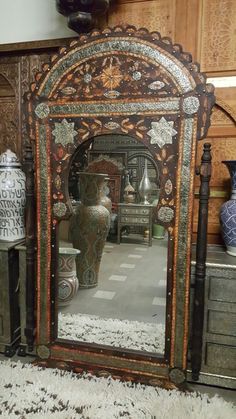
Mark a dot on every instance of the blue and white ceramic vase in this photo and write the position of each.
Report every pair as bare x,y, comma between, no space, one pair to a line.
12,198
228,212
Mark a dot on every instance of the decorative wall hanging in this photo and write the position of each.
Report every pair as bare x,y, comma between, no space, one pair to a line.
141,85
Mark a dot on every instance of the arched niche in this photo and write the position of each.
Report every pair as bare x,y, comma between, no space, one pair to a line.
120,81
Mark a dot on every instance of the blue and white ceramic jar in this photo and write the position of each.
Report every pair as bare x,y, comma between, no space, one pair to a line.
228,212
12,198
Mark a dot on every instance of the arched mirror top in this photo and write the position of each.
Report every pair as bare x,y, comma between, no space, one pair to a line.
120,82
101,65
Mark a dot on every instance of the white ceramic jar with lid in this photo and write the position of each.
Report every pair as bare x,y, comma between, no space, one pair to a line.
12,198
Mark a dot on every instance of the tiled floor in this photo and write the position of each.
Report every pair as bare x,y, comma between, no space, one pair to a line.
131,291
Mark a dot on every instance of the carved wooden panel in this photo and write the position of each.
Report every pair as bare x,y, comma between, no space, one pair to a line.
9,97
16,74
214,229
217,35
156,15
29,65
222,149
220,118
8,125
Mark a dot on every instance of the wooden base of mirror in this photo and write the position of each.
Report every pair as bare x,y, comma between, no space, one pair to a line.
130,376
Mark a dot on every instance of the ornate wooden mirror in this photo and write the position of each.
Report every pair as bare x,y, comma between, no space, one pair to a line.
107,84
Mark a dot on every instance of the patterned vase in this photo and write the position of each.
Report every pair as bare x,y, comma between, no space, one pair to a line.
129,192
68,283
228,212
12,198
89,228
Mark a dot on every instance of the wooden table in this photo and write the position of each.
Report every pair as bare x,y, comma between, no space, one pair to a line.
135,215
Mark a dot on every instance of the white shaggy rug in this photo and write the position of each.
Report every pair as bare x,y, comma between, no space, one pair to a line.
28,392
114,332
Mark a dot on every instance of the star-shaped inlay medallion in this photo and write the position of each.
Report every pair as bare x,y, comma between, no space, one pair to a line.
162,132
64,132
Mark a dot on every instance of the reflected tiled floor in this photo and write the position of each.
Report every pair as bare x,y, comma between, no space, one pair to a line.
130,291
106,295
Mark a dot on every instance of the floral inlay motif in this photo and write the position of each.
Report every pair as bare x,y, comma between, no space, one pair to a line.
59,209
42,110
111,125
68,90
64,132
87,78
156,85
136,75
162,132
57,182
112,94
111,77
168,187
165,214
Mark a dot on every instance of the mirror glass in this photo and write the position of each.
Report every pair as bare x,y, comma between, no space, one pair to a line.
124,305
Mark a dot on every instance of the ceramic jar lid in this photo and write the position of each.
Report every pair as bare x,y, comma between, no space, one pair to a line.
9,159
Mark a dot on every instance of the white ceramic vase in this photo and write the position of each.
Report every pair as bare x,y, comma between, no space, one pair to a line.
12,198
68,282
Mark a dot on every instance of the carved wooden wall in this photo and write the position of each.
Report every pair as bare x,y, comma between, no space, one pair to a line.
206,28
16,74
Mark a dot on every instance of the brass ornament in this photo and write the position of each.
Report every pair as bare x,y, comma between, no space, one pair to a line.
177,376
43,352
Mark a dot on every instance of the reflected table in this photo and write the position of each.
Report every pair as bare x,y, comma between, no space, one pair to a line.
135,215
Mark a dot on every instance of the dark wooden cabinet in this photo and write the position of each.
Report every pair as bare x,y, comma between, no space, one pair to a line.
219,328
9,298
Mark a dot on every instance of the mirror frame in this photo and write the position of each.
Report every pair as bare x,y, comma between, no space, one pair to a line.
138,109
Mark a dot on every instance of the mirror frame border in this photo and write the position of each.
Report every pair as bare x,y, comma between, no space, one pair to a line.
193,125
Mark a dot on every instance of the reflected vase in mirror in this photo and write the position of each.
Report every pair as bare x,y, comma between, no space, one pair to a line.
68,283
145,186
228,212
89,228
105,200
129,192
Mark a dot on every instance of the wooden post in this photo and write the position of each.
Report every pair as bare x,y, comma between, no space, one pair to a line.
198,307
30,246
